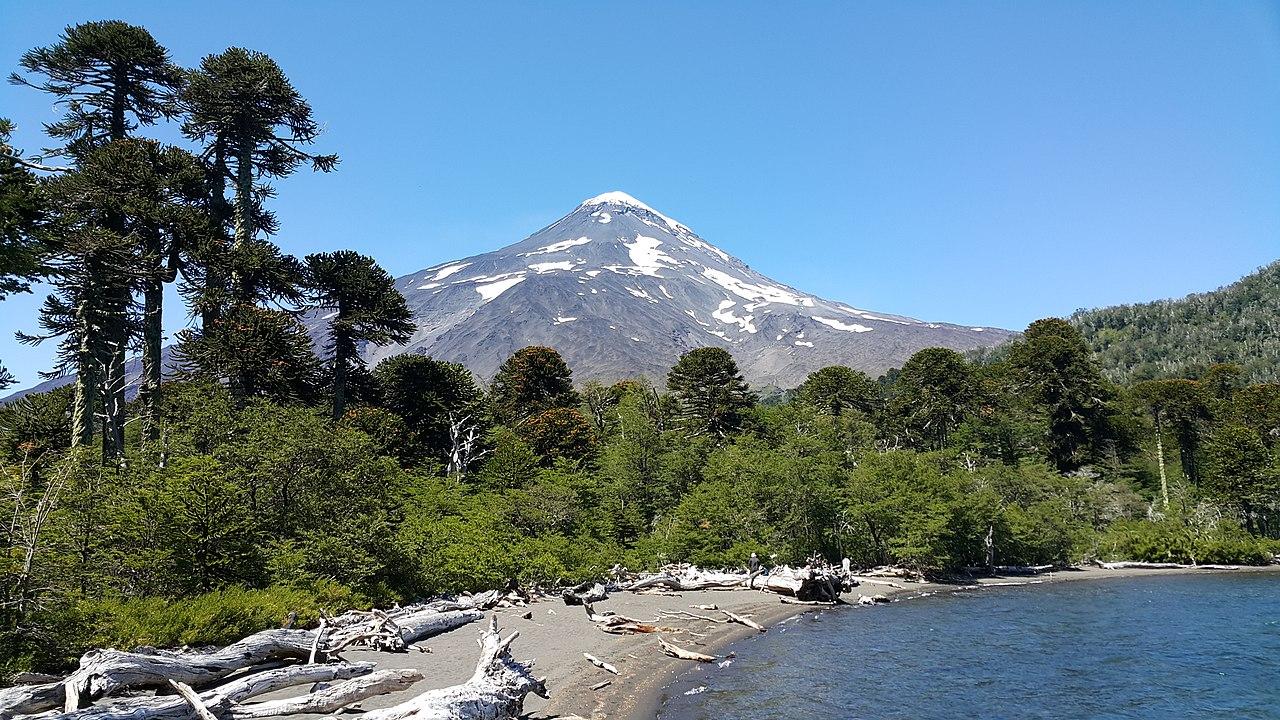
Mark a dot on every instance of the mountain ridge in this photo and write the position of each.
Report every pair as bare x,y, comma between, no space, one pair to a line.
622,289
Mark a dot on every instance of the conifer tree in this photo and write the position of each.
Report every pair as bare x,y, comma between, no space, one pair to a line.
111,78
532,380
368,309
1055,371
22,213
253,126
711,393
935,391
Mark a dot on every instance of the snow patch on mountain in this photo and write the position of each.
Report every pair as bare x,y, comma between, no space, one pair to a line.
617,197
556,247
854,327
491,291
546,267
755,291
725,315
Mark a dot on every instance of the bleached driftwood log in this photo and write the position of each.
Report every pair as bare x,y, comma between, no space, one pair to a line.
679,652
102,672
385,631
168,707
585,593
601,664
1126,565
333,697
24,699
496,691
805,584
689,579
744,621
1136,565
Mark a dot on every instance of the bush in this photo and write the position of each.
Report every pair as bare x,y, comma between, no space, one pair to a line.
215,618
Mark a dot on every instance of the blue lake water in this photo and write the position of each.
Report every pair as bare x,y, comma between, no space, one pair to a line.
1179,646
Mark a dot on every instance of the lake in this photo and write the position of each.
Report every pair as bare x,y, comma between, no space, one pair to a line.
1179,646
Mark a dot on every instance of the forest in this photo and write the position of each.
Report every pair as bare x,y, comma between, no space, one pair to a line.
1238,324
264,479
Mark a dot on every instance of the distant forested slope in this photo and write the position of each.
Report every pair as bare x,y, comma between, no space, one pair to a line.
1239,324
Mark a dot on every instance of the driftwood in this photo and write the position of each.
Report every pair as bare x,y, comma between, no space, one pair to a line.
805,584
496,691
588,592
872,599
860,579
102,672
24,699
193,699
744,621
333,697
682,654
690,579
223,697
1135,565
383,631
601,664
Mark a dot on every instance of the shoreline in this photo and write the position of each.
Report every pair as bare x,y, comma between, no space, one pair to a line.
556,636
668,673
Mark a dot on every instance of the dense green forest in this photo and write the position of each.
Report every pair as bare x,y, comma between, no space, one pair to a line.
1238,324
266,480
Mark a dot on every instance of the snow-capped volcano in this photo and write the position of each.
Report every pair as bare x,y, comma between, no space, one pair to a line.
622,290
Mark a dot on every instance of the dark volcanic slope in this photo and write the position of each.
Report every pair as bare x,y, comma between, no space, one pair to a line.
622,290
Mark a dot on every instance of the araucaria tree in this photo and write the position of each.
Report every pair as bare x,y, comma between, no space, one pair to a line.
111,77
533,380
710,392
366,306
1055,371
22,213
253,127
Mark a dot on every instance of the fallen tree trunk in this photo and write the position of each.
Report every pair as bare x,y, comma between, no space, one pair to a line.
222,697
1127,565
679,652
688,583
496,691
24,699
805,584
331,698
102,672
744,621
382,631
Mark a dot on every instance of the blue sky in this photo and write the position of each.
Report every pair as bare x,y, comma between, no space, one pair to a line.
983,163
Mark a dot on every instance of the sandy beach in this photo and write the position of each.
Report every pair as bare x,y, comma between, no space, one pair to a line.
557,635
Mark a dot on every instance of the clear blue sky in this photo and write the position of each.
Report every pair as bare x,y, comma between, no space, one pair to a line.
983,163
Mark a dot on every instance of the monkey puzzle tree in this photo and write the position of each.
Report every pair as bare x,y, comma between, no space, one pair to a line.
367,308
836,389
935,391
253,125
710,392
532,380
1055,372
22,213
111,77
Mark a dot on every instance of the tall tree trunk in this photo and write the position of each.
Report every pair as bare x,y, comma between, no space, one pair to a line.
342,352
243,210
1164,478
86,387
152,337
